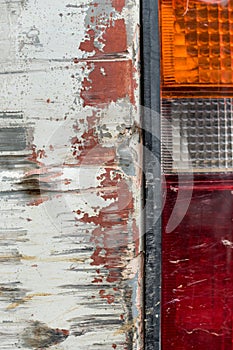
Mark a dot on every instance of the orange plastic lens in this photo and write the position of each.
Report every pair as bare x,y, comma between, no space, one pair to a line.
197,43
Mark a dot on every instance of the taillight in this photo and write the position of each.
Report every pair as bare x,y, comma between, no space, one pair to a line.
197,159
197,47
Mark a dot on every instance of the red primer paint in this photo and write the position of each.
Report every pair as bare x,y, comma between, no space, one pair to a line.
118,4
116,213
109,181
97,280
65,332
109,297
108,82
67,181
136,237
88,150
88,45
37,154
39,201
114,39
111,235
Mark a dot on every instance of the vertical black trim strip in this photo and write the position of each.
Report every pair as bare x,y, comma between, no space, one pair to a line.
150,84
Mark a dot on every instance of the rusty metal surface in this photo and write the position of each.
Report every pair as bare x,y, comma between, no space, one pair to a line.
70,155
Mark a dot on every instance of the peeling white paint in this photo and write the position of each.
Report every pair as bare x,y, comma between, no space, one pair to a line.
51,197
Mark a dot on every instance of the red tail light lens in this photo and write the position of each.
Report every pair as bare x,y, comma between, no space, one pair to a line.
197,301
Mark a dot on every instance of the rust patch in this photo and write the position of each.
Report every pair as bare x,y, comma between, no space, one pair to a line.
108,82
114,39
88,45
109,297
87,149
118,4
105,31
36,202
108,183
39,336
111,236
37,155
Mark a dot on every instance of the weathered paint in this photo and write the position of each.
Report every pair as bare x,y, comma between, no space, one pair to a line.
70,232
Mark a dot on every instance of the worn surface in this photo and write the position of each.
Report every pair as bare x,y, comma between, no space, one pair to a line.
152,172
70,229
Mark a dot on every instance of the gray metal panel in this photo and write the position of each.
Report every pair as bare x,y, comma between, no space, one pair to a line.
12,139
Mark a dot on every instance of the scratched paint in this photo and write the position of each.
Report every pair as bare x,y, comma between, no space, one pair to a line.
70,145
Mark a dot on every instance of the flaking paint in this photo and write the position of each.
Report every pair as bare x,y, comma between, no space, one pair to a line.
70,214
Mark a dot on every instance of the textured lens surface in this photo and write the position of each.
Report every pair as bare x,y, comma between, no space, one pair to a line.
197,42
197,135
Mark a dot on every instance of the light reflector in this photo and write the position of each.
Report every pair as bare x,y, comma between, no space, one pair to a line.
197,135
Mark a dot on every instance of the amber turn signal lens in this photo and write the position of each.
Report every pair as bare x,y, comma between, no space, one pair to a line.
197,45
